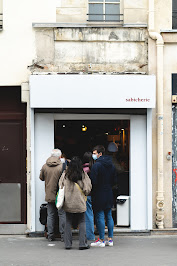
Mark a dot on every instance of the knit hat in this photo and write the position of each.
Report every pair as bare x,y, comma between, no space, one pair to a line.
112,147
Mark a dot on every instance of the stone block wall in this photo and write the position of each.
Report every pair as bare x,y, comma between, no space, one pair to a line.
92,50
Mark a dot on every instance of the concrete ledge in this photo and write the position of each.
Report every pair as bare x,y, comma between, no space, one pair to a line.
13,229
89,73
135,25
168,31
117,232
86,25
36,234
129,232
120,232
169,231
74,25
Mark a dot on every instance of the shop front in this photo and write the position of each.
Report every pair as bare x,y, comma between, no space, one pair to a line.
76,112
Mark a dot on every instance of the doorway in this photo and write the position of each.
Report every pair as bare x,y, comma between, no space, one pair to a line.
75,137
12,157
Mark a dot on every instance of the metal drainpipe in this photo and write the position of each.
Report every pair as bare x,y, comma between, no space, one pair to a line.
159,44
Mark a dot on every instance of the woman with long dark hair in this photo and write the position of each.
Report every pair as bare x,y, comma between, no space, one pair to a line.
77,186
89,219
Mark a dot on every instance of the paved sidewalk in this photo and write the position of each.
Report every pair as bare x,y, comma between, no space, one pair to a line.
139,251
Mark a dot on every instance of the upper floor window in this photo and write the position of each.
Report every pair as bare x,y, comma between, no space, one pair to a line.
174,14
104,10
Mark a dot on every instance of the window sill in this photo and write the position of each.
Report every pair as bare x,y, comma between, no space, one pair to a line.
75,25
168,31
88,25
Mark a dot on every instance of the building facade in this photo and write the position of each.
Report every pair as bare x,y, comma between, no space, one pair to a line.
107,66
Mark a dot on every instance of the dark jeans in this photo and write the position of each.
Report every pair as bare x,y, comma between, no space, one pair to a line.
51,219
100,222
82,229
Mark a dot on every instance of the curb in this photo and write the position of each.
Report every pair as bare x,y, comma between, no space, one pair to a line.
119,232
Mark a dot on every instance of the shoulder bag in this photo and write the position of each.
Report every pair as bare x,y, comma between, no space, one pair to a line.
60,198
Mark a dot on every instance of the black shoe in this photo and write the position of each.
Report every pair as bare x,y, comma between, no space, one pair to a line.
82,248
67,247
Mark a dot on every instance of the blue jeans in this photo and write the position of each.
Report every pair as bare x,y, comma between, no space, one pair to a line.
100,221
89,220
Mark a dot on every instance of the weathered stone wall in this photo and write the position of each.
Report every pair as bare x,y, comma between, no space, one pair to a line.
92,49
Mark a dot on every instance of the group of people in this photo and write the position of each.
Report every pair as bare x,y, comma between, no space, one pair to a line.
88,196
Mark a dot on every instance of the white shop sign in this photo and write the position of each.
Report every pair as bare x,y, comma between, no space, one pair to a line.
92,91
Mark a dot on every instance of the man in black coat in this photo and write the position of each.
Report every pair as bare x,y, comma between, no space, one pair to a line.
103,176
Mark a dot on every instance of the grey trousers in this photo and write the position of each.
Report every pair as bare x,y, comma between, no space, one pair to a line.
82,229
62,221
51,219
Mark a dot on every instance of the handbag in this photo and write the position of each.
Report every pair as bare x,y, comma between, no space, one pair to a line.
60,198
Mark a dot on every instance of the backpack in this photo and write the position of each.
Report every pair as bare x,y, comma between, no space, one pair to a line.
43,214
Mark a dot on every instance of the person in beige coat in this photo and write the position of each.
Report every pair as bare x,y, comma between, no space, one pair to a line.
50,173
77,186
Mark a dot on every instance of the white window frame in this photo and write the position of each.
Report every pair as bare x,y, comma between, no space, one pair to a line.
104,2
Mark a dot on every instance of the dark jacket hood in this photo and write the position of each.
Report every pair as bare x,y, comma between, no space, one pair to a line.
53,161
105,160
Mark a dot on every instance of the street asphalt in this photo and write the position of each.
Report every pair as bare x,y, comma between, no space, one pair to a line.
127,250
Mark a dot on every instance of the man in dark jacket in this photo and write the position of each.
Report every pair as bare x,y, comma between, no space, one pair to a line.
103,176
50,173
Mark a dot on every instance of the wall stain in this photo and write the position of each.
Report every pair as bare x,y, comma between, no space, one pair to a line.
113,36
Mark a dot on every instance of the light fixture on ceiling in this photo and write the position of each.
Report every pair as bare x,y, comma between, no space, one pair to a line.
84,128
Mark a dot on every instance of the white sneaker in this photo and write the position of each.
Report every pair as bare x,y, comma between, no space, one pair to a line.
98,243
109,243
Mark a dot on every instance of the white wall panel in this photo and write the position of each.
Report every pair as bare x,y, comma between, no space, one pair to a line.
138,173
43,144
